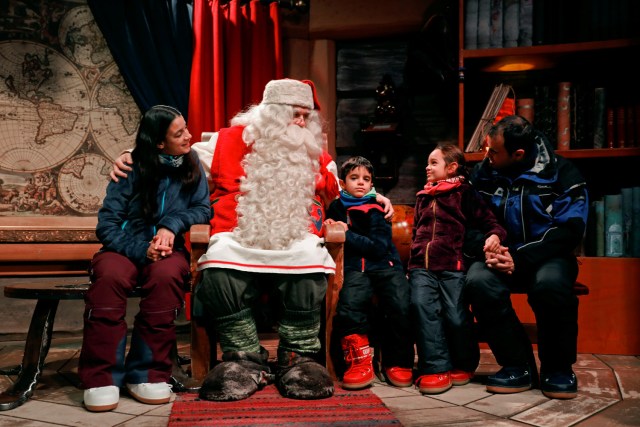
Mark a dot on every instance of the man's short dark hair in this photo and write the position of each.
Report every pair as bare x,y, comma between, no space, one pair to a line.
517,132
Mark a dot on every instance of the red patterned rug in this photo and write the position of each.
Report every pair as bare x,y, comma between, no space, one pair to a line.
266,407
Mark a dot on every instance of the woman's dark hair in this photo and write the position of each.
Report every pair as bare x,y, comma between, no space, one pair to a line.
152,131
353,163
452,153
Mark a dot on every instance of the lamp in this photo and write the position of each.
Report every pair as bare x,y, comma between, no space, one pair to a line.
519,63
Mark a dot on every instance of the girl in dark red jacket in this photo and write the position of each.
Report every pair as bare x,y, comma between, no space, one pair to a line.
448,352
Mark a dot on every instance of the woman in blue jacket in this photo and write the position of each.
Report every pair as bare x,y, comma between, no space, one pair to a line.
141,226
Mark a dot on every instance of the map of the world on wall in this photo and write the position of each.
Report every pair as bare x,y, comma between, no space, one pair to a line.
44,107
65,112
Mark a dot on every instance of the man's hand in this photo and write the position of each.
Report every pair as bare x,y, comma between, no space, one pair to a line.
121,166
500,261
388,207
329,221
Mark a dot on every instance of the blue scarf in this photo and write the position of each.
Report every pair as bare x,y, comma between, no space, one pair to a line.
169,160
348,200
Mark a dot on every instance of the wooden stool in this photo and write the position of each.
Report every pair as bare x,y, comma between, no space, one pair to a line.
49,292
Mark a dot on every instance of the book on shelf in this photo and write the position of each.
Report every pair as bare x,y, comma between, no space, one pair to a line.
630,131
599,117
484,23
589,242
564,116
581,113
599,220
627,219
634,243
498,103
525,108
510,23
546,117
496,29
525,24
611,127
636,121
537,30
471,24
613,226
621,127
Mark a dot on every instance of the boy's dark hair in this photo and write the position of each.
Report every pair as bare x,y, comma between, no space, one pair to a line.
354,162
452,153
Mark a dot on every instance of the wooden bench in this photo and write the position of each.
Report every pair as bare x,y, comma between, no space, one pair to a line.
402,228
49,292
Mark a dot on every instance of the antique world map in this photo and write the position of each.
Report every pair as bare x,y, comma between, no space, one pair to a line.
65,114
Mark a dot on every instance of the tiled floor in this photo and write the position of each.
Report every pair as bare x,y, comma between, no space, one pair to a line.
609,396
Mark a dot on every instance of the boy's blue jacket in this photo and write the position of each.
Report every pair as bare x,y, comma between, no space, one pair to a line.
368,245
544,209
121,227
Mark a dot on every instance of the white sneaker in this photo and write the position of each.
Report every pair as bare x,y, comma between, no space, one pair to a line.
151,393
100,399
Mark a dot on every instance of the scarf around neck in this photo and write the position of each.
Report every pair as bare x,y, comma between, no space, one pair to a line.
169,160
348,200
443,186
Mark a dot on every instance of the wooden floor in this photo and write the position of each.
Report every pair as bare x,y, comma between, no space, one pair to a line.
609,395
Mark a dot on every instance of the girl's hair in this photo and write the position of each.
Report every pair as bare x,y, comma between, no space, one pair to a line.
452,153
152,131
353,163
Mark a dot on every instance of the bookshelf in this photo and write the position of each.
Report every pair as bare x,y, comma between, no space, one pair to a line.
589,60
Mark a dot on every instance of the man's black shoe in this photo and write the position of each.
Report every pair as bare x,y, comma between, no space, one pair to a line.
559,385
509,380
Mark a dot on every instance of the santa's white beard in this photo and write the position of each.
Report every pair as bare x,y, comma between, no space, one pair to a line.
279,186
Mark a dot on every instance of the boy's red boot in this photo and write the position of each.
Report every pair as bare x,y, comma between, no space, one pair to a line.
399,377
434,383
459,377
358,357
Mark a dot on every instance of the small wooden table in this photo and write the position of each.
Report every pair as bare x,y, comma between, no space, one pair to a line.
49,292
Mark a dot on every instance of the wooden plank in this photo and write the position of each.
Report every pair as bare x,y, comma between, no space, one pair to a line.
39,252
609,317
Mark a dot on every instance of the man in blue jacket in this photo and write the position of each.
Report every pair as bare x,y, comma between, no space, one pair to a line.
541,199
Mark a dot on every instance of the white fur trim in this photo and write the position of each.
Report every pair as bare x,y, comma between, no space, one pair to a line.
304,256
288,92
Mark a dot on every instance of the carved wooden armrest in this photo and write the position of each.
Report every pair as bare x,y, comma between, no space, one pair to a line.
199,237
334,237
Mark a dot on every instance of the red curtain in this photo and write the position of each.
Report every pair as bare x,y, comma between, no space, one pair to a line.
237,50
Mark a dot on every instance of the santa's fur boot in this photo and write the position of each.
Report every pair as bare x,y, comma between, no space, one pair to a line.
358,357
239,375
301,377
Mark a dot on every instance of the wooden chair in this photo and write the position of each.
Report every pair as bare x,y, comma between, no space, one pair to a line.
203,349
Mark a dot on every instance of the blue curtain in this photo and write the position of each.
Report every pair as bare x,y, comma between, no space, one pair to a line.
151,42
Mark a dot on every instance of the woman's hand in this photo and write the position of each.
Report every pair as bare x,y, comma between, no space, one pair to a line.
161,245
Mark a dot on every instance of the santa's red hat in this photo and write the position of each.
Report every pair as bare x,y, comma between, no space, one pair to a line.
316,104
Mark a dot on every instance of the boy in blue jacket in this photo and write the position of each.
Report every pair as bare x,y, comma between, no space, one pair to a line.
371,265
